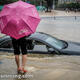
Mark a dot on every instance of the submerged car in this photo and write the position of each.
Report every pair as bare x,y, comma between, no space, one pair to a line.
45,44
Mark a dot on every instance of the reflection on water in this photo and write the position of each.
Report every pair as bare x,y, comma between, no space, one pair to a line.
43,67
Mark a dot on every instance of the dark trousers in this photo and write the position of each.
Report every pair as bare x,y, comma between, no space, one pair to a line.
19,44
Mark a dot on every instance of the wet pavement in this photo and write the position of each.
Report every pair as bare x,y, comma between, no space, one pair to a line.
42,68
58,13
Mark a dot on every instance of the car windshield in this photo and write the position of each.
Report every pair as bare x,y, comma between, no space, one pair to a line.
55,42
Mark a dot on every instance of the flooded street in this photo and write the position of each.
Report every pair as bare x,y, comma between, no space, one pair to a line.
64,27
48,67
43,68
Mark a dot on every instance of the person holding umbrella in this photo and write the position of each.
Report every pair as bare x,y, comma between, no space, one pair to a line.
19,20
17,44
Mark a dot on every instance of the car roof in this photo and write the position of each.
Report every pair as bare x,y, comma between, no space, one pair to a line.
38,36
41,36
4,38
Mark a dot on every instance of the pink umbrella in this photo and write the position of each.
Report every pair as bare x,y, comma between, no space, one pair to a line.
19,19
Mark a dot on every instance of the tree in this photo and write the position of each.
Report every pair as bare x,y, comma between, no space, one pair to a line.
56,3
49,5
2,2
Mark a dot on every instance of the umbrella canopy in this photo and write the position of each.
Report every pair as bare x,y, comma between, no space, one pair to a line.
19,19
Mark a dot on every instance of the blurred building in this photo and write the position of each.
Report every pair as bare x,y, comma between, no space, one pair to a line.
78,1
67,1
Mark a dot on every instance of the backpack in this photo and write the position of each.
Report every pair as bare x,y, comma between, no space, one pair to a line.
30,44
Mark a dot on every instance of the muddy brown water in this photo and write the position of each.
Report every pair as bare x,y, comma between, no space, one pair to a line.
41,67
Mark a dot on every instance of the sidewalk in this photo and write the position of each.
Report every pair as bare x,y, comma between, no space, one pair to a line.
58,13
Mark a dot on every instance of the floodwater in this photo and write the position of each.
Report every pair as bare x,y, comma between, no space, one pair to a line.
46,67
63,27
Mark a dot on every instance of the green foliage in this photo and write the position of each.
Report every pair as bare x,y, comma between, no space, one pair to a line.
34,2
3,2
70,5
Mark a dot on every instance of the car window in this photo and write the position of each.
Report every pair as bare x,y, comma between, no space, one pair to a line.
55,42
41,43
